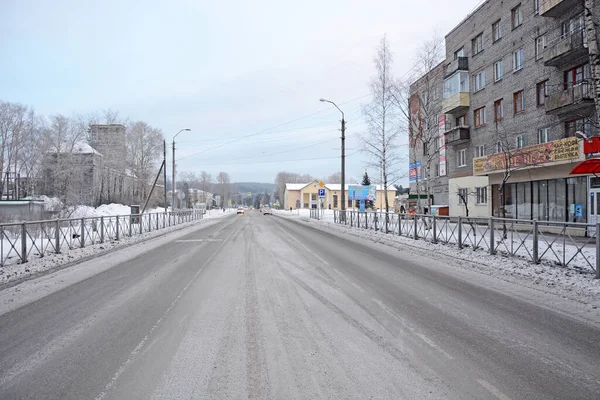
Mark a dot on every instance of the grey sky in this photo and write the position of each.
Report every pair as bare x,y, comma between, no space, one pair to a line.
224,69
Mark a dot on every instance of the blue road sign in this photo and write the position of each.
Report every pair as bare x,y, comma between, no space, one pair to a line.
321,192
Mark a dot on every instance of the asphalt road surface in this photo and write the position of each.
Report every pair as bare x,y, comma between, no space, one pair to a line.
263,307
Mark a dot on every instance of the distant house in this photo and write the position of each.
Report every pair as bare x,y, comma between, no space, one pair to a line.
306,195
71,173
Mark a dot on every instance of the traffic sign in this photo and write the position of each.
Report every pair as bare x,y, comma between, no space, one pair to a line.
249,194
297,203
321,192
321,184
180,195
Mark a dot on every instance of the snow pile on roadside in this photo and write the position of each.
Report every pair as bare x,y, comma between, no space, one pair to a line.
39,266
565,282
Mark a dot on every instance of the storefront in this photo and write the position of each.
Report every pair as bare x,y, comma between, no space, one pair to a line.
556,200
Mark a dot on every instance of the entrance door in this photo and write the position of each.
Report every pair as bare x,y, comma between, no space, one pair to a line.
594,203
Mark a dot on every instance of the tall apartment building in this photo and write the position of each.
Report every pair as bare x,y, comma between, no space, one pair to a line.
428,168
516,90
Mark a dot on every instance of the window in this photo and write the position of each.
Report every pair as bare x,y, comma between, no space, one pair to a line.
437,170
540,46
436,93
518,59
479,117
479,81
462,120
463,195
498,70
461,158
575,24
520,141
517,16
496,31
481,195
576,75
459,53
541,92
477,44
425,149
499,147
519,102
479,151
456,83
436,144
536,7
498,110
582,125
543,135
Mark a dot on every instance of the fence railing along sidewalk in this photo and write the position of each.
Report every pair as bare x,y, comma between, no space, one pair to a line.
20,241
576,245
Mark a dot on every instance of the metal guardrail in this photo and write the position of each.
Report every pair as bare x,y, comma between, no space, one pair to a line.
563,243
21,241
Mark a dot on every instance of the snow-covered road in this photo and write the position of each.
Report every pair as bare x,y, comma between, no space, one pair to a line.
264,307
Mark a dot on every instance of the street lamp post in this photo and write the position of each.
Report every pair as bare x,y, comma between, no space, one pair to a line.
173,169
343,208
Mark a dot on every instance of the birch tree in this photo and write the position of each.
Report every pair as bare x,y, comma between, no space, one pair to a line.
380,141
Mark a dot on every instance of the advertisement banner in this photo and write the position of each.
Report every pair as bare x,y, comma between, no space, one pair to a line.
559,150
360,192
414,171
442,137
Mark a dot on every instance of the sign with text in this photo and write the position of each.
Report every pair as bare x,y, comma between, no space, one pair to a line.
414,171
362,192
321,192
559,150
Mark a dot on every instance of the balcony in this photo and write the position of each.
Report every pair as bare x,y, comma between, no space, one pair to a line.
459,64
456,104
565,49
578,98
457,134
557,8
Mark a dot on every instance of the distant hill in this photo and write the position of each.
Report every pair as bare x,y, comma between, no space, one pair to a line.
254,187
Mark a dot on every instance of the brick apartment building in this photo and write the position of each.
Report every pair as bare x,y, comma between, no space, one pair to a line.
516,89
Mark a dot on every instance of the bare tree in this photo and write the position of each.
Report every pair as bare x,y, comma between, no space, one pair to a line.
419,110
383,121
145,147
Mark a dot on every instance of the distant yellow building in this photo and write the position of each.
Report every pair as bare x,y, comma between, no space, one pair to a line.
306,195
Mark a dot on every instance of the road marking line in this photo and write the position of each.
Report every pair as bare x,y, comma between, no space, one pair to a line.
413,330
197,240
492,389
140,345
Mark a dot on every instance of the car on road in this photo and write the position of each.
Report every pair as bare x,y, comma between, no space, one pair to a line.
240,210
267,210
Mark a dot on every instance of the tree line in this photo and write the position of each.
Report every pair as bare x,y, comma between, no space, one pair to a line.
52,155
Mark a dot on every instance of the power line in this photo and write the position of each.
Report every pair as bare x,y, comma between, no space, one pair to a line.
281,161
269,129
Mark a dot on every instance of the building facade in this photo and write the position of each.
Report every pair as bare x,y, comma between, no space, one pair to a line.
517,87
428,167
306,195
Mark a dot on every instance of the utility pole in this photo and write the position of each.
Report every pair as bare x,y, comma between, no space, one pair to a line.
594,53
343,168
173,182
173,191
165,171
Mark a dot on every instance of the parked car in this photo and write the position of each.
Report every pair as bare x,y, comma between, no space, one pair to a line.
267,210
240,210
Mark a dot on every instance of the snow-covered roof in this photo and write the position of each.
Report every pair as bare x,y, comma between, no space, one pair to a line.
79,148
338,186
330,186
295,186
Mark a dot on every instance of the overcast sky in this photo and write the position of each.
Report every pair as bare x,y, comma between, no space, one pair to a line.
225,69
